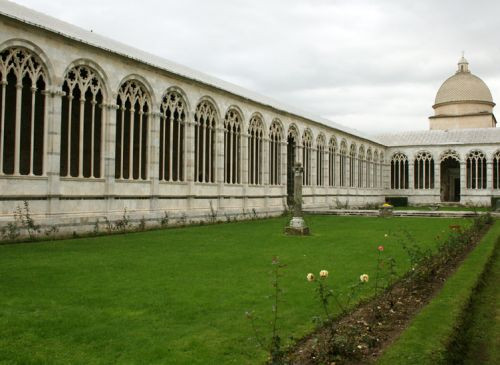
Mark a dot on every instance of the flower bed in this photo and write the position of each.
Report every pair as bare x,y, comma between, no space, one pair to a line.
361,335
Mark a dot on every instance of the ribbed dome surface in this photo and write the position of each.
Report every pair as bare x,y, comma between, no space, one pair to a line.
463,86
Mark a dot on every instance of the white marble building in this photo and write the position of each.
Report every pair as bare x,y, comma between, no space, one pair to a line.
90,127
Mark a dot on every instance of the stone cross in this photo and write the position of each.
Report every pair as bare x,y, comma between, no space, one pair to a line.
297,189
297,225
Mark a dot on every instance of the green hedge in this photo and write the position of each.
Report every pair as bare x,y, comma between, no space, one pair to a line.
425,340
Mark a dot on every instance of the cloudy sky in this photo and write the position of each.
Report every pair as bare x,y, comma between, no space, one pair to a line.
371,65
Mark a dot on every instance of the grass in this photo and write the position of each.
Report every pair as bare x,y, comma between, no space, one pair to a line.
180,295
483,336
426,340
454,208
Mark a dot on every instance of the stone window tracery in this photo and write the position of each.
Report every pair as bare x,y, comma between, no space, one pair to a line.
82,124
306,157
320,160
352,165
332,155
369,168
496,170
232,147
343,163
172,132
361,167
131,148
376,166
423,171
399,171
23,82
275,136
476,170
255,148
205,119
381,171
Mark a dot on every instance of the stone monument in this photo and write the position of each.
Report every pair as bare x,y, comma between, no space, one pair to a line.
297,225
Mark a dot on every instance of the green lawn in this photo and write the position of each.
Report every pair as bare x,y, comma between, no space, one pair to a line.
179,296
455,208
483,335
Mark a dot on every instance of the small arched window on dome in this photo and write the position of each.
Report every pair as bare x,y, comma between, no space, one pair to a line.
476,170
424,171
399,171
496,170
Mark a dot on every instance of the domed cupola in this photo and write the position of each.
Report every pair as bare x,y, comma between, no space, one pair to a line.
463,101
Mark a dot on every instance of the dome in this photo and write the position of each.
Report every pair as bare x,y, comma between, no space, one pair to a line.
463,86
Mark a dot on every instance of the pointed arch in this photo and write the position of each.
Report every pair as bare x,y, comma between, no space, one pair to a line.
352,164
423,170
255,149
496,170
173,116
275,141
332,161
320,159
399,171
233,126
307,138
82,140
132,131
476,170
24,81
206,120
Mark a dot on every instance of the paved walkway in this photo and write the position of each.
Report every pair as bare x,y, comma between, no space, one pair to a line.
400,213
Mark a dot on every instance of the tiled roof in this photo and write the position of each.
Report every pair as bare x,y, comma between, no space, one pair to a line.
442,137
41,20
463,86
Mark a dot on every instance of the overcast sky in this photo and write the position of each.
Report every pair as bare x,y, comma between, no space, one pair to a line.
372,65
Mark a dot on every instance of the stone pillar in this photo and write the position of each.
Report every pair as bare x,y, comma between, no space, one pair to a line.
437,178
219,164
189,157
265,171
489,175
52,139
463,180
244,169
411,175
108,152
154,159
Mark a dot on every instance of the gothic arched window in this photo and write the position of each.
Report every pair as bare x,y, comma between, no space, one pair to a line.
352,165
275,136
205,120
423,171
23,83
332,155
361,167
81,123
399,171
376,167
172,127
496,170
131,149
320,160
476,170
232,147
369,168
343,163
306,156
255,142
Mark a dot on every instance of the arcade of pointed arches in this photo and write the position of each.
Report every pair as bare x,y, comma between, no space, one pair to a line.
23,133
